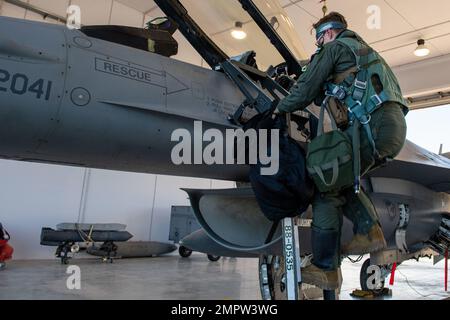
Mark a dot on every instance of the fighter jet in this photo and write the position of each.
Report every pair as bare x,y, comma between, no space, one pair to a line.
111,98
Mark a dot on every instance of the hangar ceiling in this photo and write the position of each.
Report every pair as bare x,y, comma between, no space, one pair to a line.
403,22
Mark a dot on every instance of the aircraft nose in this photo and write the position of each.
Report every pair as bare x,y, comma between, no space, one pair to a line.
31,41
13,49
32,73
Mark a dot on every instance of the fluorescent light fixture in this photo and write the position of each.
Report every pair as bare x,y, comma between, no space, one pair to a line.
421,50
238,33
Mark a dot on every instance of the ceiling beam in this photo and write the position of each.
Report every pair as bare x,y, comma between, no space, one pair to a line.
434,100
425,83
296,4
424,77
43,13
150,10
410,32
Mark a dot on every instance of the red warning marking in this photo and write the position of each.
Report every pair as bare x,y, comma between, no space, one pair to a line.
394,267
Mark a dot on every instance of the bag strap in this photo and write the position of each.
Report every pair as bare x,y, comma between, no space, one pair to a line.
348,74
335,166
320,126
272,231
356,145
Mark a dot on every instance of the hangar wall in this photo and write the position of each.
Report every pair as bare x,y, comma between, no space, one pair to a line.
36,195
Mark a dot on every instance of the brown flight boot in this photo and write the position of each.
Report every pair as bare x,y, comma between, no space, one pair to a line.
367,243
326,280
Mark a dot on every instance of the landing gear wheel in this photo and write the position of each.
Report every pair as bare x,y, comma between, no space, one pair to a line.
107,259
65,256
213,258
2,265
272,280
184,252
63,250
364,277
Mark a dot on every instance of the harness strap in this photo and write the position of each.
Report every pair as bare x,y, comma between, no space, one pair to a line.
320,126
343,76
354,101
360,84
368,130
356,143
378,99
351,89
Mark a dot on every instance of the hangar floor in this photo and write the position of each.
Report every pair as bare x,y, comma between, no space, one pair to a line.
175,278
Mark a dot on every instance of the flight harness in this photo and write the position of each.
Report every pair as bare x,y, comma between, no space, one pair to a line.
351,92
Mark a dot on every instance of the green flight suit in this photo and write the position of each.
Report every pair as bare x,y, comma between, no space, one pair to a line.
389,132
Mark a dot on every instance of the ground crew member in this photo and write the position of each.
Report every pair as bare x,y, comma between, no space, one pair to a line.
334,67
6,250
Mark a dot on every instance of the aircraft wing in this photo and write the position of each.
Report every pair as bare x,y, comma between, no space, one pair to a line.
416,164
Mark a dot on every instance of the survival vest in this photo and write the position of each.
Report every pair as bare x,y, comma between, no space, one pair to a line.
362,90
365,87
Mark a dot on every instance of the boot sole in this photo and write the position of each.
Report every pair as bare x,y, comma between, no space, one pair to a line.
320,283
372,248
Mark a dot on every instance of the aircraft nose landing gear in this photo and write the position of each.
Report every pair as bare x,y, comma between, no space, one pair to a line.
280,277
272,278
272,282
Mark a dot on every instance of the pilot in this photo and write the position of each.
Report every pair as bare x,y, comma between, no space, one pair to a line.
335,66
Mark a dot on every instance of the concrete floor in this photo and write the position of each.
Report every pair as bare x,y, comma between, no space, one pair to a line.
175,278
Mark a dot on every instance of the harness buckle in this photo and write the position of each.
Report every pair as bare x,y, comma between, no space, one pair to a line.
339,93
368,120
357,104
377,100
361,84
336,91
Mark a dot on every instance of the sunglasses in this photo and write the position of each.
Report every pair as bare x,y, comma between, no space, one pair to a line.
319,39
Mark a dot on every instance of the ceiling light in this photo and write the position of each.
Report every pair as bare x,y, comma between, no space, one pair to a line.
238,33
422,50
274,22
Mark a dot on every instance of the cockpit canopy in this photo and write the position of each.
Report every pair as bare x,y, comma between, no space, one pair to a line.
157,38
